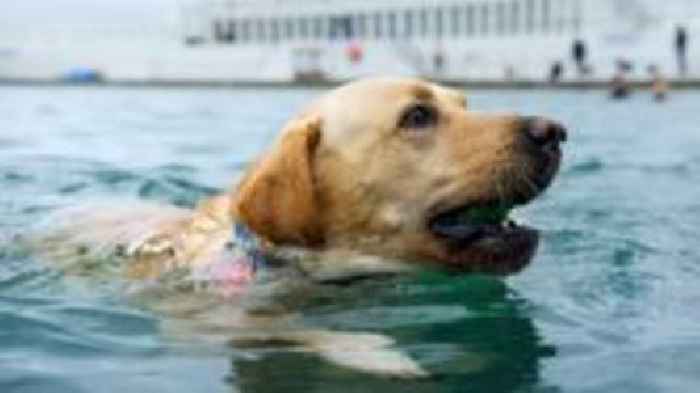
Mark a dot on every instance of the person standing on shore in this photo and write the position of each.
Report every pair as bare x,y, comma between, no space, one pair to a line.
438,61
681,50
579,53
659,85
619,86
555,72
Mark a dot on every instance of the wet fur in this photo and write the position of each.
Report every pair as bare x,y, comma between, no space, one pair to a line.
341,183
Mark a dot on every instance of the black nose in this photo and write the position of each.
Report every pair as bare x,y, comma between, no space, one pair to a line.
544,132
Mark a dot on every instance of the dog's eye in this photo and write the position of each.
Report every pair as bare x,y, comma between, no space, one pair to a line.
418,116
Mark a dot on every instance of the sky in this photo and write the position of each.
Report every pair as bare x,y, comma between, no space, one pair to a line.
25,13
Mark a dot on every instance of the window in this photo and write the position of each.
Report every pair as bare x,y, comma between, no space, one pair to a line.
317,27
515,16
546,15
245,30
423,22
303,25
289,29
439,22
348,27
391,19
484,22
275,30
378,25
260,30
578,16
456,20
561,15
225,31
218,31
501,18
529,16
408,23
361,25
194,40
470,20
341,27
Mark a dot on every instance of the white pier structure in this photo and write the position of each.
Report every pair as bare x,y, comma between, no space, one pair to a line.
280,40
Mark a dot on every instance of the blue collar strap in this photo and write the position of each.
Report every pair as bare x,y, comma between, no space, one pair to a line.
250,244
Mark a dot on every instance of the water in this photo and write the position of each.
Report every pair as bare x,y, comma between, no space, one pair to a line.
609,304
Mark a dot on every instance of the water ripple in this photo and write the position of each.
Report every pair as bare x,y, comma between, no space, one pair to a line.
586,167
609,303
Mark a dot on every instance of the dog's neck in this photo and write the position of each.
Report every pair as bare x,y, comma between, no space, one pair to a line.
243,239
237,266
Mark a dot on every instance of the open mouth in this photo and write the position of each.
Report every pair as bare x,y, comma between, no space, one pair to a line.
466,224
483,238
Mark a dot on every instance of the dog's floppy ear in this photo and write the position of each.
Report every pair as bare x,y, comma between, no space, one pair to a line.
277,200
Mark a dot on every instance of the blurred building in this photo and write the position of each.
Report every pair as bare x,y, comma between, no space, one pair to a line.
281,40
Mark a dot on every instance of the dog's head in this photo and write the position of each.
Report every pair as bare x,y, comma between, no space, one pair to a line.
400,168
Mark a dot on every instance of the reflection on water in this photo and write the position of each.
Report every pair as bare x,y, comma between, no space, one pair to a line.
608,305
468,332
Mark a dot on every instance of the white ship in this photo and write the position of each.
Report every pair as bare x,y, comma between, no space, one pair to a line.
284,40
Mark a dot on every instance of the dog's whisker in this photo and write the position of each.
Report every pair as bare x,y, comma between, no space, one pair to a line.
529,183
512,179
502,200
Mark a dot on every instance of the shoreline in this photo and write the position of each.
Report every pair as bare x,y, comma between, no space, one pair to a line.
675,84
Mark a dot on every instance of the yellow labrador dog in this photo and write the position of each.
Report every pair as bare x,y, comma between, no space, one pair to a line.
379,175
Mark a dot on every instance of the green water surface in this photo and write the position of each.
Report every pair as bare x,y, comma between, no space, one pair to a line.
610,303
